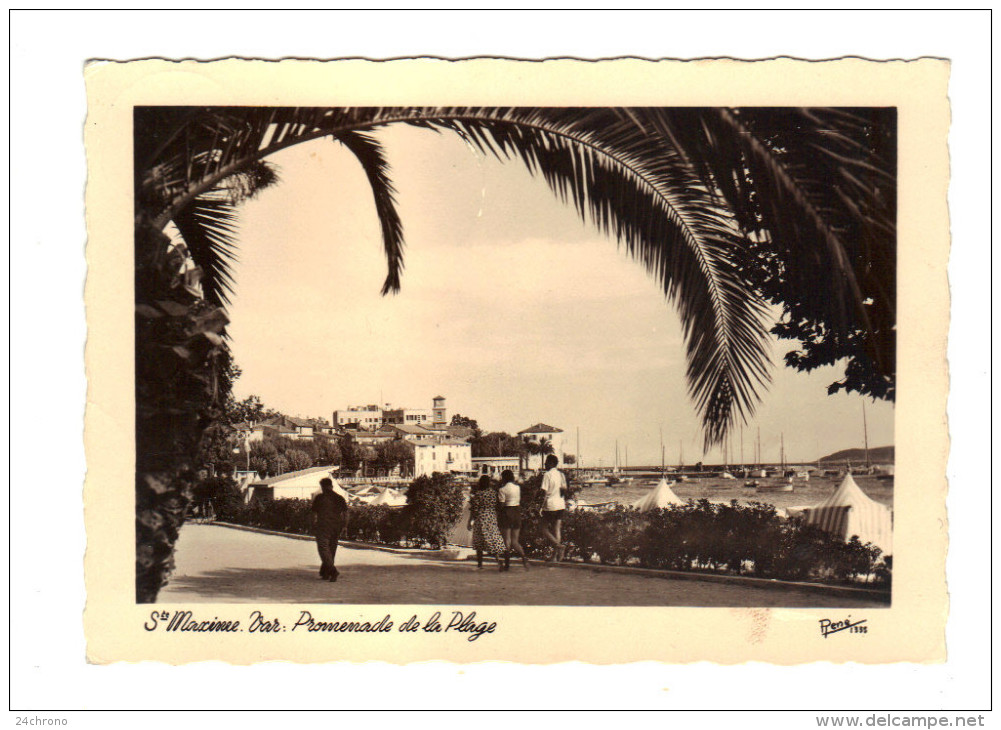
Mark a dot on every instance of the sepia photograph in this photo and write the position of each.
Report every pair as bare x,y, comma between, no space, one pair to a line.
499,361
449,380
566,356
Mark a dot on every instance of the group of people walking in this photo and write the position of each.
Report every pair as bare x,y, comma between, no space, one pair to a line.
495,516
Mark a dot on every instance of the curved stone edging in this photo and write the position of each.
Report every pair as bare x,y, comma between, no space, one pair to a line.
750,581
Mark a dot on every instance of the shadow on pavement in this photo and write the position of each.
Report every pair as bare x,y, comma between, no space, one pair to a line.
462,584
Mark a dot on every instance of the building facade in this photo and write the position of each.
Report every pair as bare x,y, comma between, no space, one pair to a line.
407,416
542,433
369,417
446,456
494,465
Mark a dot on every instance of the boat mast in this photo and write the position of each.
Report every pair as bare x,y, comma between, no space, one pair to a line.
865,436
663,469
758,459
577,456
782,452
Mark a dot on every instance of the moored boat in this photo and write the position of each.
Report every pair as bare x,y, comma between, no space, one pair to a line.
784,487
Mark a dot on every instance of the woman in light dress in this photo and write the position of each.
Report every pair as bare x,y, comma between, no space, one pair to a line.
509,500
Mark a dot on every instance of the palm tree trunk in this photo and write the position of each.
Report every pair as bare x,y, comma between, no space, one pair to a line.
179,359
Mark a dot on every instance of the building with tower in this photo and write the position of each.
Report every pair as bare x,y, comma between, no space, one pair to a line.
439,417
545,437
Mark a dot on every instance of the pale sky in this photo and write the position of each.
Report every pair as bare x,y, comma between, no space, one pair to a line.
511,308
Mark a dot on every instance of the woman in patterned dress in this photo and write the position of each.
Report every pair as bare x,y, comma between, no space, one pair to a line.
483,522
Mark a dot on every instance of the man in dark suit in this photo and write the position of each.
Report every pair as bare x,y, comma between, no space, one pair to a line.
330,516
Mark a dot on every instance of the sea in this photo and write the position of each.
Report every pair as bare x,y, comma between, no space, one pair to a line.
804,494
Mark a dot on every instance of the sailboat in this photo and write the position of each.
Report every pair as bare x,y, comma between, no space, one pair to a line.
726,459
785,485
681,462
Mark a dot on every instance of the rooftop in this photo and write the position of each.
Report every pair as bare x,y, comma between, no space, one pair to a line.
443,442
320,472
540,428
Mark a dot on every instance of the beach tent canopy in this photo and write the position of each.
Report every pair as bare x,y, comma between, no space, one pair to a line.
338,489
660,496
391,498
850,512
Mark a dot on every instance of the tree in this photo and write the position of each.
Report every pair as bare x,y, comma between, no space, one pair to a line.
298,459
529,448
685,191
249,410
327,451
394,454
349,452
496,443
459,420
545,448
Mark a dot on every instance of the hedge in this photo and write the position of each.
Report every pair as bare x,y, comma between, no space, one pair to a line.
434,504
699,536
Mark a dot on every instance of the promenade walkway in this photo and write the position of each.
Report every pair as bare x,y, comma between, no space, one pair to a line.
221,565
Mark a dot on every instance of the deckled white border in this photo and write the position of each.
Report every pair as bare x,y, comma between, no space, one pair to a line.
51,54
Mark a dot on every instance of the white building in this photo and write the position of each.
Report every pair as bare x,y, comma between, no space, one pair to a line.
369,417
407,416
447,455
540,433
494,465
303,484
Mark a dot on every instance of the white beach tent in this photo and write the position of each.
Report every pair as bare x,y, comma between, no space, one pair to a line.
660,496
850,512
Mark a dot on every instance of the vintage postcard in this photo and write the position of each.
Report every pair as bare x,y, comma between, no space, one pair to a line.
508,360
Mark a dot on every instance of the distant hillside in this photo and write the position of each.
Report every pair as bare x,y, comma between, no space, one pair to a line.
879,455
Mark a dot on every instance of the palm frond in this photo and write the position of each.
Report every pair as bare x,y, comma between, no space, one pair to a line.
686,191
635,187
208,227
820,186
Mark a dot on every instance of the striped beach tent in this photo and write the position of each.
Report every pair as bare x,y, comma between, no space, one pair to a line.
850,512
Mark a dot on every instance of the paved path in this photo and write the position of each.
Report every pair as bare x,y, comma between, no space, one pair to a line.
222,565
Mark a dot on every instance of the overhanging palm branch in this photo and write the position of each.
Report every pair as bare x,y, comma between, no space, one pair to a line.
820,186
369,154
651,179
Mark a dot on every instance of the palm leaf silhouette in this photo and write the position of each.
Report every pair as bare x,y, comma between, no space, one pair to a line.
683,190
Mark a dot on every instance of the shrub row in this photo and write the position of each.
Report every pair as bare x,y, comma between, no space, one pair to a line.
699,536
434,504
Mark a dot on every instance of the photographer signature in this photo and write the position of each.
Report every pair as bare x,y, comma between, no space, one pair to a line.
828,627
